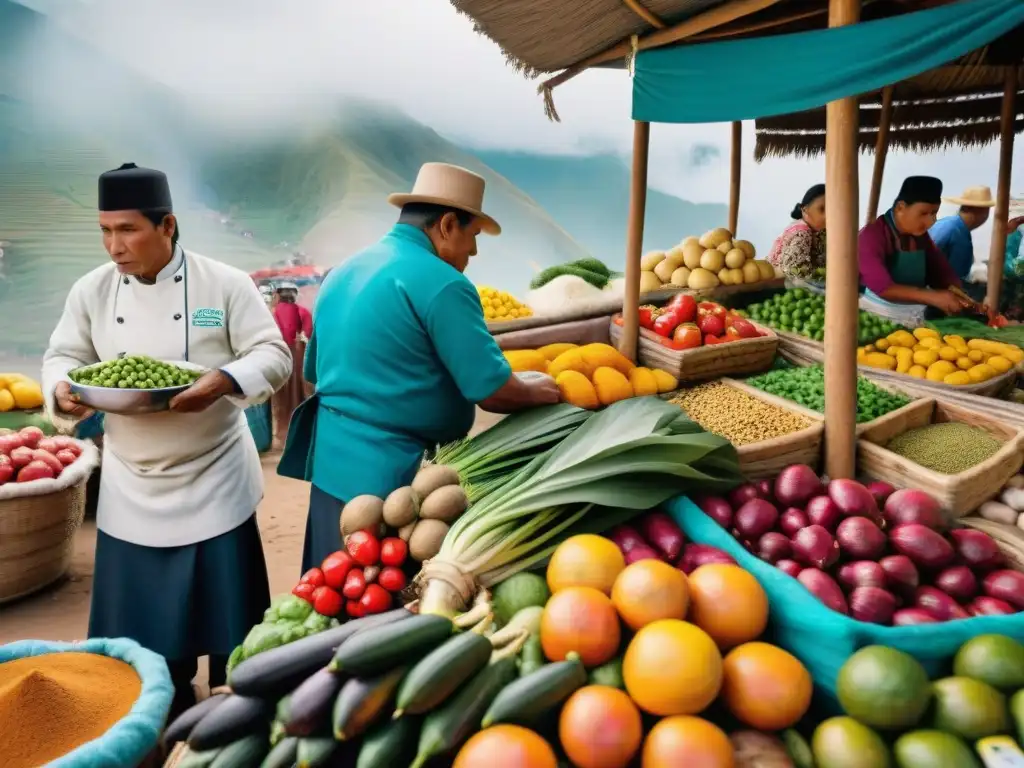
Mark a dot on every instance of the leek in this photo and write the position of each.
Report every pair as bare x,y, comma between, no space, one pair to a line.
631,456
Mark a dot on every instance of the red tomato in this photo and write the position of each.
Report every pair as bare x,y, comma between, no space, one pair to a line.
686,336
354,609
6,469
711,324
393,551
48,458
313,576
336,568
31,436
35,470
355,584
392,579
304,590
685,307
745,328
327,602
66,457
364,548
375,599
9,442
21,456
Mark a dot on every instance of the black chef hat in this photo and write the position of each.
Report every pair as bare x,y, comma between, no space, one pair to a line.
130,188
920,189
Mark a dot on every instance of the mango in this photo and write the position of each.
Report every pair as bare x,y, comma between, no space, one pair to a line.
940,370
918,371
958,379
926,357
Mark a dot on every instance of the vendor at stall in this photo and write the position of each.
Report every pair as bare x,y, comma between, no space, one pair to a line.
800,250
898,262
952,234
179,564
296,324
400,355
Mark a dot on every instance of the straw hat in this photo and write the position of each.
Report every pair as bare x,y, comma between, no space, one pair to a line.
974,197
451,186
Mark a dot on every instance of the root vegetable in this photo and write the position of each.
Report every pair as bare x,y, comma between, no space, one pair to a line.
432,477
426,539
401,507
796,485
446,504
773,546
821,510
860,538
663,534
939,604
989,606
35,470
815,546
641,552
913,506
958,582
766,490
881,490
863,573
998,512
906,617
792,520
852,498
901,574
755,518
361,513
696,555
872,604
823,587
1007,586
626,538
922,545
792,567
742,494
718,509
1017,481
753,749
977,549
405,532
1013,498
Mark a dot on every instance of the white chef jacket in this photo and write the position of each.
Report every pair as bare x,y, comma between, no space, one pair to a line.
171,479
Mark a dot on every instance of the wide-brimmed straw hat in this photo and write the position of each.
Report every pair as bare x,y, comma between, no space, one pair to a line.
973,197
451,186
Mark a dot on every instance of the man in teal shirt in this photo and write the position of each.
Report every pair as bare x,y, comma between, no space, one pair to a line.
400,354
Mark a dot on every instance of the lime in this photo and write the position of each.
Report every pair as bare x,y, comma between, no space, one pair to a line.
1017,713
609,673
842,742
523,590
994,659
969,708
883,687
928,749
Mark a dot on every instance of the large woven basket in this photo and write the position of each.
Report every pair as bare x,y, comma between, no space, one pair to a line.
38,526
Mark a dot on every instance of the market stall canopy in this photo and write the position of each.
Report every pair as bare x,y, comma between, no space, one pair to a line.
788,73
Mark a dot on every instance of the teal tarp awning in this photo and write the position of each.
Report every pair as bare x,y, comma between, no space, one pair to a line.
745,79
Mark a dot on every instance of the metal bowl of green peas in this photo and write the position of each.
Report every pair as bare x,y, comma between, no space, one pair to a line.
132,385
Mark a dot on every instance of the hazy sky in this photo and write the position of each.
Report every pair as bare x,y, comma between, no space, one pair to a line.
420,55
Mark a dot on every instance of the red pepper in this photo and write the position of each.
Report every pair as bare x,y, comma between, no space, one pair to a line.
392,579
686,336
336,568
364,548
327,602
375,599
355,584
666,322
732,334
393,551
313,576
647,317
305,591
685,307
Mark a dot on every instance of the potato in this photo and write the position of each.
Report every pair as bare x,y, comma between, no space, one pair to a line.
725,276
362,512
701,279
691,240
691,255
675,255
680,276
712,260
767,270
751,274
664,270
405,532
746,246
735,258
725,247
433,476
446,504
736,276
649,282
426,538
754,749
401,507
715,237
651,260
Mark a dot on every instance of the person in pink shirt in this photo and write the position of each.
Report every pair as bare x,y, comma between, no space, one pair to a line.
292,318
898,261
296,324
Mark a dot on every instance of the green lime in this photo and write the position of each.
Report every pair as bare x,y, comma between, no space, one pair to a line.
523,590
994,659
883,687
842,742
930,749
969,708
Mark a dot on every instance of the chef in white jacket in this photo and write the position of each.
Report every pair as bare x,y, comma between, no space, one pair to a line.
179,563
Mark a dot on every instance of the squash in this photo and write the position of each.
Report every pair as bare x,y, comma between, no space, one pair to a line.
902,339
551,351
1000,363
1012,353
523,360
924,357
918,371
577,390
957,343
643,382
666,381
905,359
964,363
604,355
925,333
27,395
947,353
611,385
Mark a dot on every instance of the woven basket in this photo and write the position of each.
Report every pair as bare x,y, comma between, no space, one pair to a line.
742,357
958,494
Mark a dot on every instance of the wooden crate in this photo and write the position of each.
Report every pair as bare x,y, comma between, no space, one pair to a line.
769,457
744,356
958,494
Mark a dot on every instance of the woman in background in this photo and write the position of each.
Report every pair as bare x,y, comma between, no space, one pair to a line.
800,250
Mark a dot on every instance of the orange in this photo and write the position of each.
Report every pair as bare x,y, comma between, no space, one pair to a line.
672,667
765,687
649,590
506,746
600,728
580,620
687,741
727,603
585,561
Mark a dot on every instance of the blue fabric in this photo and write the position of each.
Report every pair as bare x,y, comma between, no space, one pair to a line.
1013,261
777,75
401,355
260,425
135,735
953,237
823,639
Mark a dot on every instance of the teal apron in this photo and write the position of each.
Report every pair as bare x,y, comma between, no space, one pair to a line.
905,268
297,459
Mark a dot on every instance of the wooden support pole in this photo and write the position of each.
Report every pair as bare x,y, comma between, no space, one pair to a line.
736,166
881,151
841,203
635,239
997,250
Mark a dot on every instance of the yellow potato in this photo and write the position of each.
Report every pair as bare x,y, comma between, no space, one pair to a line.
926,357
958,379
948,353
918,371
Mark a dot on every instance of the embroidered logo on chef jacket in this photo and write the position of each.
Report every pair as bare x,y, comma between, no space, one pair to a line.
208,318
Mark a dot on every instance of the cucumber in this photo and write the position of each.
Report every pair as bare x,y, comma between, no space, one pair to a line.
187,720
283,755
277,671
372,653
199,759
309,706
435,677
445,729
389,744
798,748
531,658
529,698
314,753
362,701
244,753
235,717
